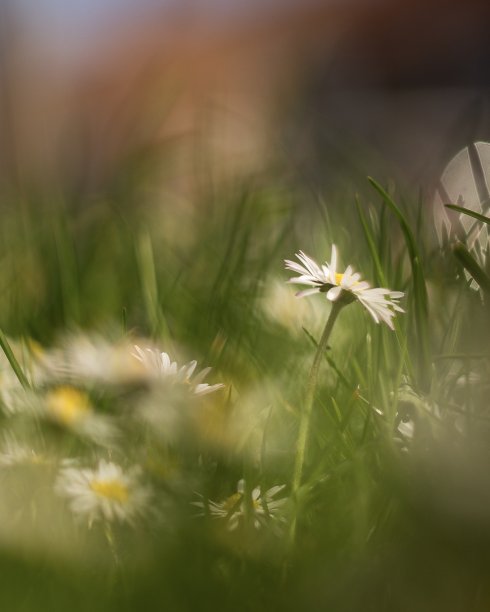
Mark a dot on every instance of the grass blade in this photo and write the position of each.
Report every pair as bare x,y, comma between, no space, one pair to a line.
4,344
470,213
380,276
471,265
421,310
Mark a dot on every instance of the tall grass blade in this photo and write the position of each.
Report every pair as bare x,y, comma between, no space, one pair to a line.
471,265
470,213
146,266
421,310
6,348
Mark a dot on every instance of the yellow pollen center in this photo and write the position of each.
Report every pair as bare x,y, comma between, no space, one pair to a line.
67,405
35,348
232,501
111,489
338,278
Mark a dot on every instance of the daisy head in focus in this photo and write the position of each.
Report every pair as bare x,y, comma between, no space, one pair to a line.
346,287
158,364
261,507
105,493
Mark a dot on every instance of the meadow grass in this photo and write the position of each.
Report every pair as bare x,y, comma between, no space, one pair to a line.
391,505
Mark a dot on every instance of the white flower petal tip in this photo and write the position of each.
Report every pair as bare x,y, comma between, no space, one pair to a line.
159,366
381,304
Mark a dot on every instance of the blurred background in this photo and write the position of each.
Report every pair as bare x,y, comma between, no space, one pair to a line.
158,161
316,84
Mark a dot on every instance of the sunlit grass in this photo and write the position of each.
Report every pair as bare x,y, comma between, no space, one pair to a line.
390,504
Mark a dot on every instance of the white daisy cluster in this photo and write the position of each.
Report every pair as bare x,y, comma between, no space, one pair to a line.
83,415
382,304
260,507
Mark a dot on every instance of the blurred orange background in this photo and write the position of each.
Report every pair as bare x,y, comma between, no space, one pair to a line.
325,85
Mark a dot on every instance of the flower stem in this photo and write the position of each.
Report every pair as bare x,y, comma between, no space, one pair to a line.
304,424
5,346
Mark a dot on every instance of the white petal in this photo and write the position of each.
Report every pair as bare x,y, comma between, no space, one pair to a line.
333,261
334,293
306,292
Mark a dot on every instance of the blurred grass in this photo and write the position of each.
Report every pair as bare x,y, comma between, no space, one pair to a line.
388,523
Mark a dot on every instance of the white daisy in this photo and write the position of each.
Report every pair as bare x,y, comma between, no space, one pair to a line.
106,493
91,359
71,408
261,506
161,366
281,307
13,453
347,286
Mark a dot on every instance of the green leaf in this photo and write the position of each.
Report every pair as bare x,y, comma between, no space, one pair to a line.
421,310
470,213
380,276
471,265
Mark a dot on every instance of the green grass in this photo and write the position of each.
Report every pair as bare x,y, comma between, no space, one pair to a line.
384,520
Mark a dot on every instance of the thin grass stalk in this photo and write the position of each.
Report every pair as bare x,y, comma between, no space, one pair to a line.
304,424
5,346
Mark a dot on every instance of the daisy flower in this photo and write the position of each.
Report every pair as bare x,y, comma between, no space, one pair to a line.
347,286
161,366
71,409
13,453
90,359
106,493
261,506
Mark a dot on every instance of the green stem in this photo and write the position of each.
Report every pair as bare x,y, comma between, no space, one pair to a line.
304,424
113,569
5,346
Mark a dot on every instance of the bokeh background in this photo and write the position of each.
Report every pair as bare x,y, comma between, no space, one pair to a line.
317,84
158,160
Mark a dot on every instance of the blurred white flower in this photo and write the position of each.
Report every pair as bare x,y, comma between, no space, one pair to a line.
281,307
464,182
261,507
106,493
92,359
379,302
71,408
159,365
12,453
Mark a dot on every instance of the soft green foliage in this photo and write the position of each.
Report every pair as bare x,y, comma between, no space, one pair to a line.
393,508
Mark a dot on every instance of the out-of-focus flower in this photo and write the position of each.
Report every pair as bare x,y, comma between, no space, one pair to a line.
414,412
379,302
106,493
12,453
261,507
92,359
159,365
67,406
280,306
13,397
461,184
71,408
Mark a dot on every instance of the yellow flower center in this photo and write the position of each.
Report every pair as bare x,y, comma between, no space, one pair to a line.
232,501
338,278
114,490
67,405
35,348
